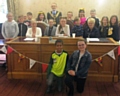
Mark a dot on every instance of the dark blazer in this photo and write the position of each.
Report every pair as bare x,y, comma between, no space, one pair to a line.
115,31
94,33
24,29
57,19
46,33
104,31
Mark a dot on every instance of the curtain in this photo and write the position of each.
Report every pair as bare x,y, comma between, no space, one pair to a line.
12,7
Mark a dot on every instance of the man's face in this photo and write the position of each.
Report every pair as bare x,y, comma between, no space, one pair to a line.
53,6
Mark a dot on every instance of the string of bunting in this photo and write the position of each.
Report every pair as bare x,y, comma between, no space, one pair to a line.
45,65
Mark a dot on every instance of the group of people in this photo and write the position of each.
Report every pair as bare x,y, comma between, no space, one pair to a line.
68,69
57,25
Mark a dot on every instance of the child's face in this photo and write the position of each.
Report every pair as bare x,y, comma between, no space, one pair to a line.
113,20
21,19
104,21
62,22
81,14
81,45
41,16
69,15
51,23
77,22
59,47
29,17
10,17
92,14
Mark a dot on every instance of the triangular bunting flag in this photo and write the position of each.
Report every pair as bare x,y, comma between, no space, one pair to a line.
9,50
118,50
44,67
32,62
99,61
111,54
3,49
20,57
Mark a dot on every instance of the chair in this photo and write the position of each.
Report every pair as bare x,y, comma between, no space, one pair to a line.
71,24
42,26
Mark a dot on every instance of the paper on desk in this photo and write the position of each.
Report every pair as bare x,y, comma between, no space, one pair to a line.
29,39
94,39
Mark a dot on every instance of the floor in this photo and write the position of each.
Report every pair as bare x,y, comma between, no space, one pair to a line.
38,88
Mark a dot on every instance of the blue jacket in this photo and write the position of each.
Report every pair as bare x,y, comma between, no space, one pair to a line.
78,30
83,66
94,33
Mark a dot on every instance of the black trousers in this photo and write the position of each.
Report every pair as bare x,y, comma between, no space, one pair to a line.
80,83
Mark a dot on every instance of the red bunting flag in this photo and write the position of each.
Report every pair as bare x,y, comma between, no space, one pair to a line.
99,61
44,67
118,50
9,50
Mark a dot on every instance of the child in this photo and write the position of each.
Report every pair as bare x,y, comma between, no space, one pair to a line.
115,27
70,15
63,28
29,18
77,29
104,28
10,28
41,17
93,15
51,29
77,68
82,16
57,66
22,26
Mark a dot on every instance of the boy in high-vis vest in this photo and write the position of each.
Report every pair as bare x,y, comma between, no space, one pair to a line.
56,68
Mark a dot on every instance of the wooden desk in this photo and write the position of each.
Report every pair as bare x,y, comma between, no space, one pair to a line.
41,51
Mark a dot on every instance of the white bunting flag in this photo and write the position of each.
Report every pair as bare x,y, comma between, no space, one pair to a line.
111,54
32,62
3,49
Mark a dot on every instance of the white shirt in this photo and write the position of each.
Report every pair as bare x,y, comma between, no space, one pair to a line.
66,30
38,32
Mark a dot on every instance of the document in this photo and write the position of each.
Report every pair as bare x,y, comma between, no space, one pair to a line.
29,39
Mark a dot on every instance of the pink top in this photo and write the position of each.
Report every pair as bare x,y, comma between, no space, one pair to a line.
82,20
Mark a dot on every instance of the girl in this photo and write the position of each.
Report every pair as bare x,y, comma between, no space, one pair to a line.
41,17
104,28
115,27
82,16
63,28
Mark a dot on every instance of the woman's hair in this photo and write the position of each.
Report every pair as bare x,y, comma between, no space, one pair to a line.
81,10
60,24
116,19
91,20
102,20
82,39
33,21
38,17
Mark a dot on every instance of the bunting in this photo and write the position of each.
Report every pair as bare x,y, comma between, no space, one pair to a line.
9,50
32,62
118,50
99,61
111,54
3,49
44,67
20,57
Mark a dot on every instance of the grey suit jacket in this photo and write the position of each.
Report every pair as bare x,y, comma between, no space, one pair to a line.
47,31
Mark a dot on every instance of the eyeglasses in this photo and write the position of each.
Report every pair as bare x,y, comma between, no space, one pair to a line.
81,45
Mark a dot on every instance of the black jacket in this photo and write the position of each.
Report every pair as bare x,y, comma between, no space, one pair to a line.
24,29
